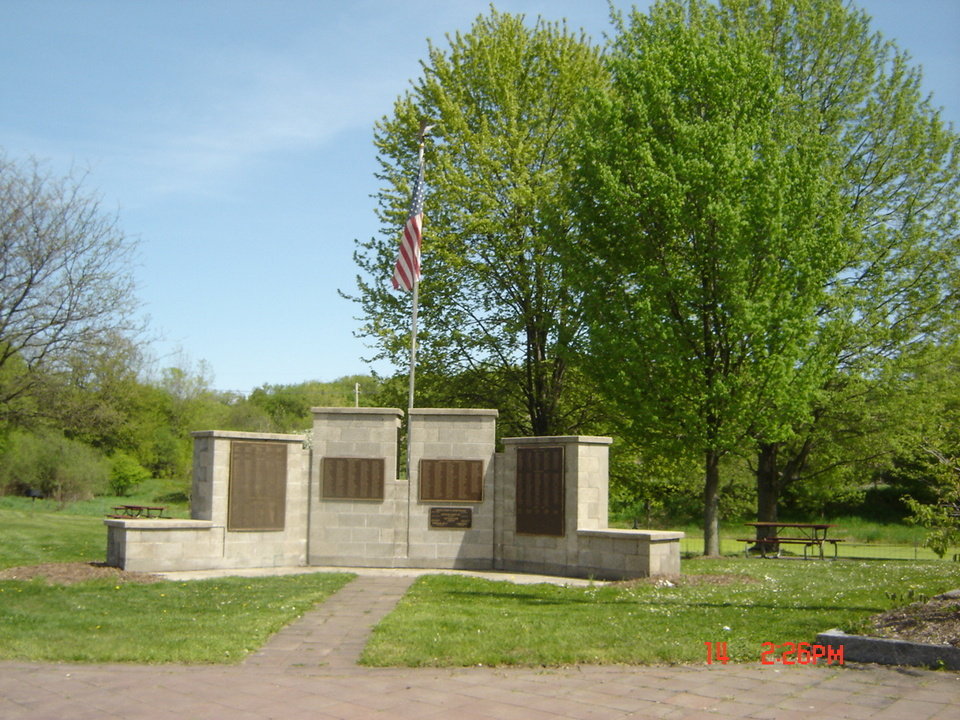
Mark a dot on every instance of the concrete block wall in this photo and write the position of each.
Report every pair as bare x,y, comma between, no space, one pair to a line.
396,531
438,434
585,463
164,544
204,542
587,547
360,533
245,549
613,554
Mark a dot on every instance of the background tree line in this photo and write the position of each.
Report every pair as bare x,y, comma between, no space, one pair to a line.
110,427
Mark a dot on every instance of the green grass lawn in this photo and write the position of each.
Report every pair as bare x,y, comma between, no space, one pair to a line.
459,621
444,620
33,536
42,531
209,621
202,621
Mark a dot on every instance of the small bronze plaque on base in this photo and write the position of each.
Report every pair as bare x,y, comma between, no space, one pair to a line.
451,518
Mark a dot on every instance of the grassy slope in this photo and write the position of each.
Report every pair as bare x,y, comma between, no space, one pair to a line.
854,529
42,531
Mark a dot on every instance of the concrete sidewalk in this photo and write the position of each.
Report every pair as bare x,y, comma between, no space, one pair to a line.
308,671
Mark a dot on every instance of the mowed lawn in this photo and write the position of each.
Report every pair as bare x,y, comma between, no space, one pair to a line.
202,621
444,620
744,603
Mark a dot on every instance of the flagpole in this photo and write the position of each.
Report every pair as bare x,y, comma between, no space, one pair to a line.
413,326
424,128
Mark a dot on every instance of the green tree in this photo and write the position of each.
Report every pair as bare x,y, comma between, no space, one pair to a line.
710,214
94,397
288,406
497,313
933,466
895,296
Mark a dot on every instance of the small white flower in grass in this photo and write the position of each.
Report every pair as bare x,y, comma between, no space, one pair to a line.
727,628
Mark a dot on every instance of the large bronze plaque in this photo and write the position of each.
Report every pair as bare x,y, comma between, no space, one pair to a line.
353,478
257,490
451,480
451,518
540,491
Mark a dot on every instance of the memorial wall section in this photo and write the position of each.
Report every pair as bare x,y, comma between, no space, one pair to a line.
265,501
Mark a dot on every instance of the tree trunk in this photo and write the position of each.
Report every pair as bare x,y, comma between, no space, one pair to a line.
768,491
711,504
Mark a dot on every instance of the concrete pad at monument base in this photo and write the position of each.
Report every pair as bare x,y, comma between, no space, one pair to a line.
268,500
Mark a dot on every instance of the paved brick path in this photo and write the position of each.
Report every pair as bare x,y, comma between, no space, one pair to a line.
307,672
335,633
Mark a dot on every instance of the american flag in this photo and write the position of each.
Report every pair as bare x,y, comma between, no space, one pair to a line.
407,270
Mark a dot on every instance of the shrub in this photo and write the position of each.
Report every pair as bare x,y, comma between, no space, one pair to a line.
126,474
49,462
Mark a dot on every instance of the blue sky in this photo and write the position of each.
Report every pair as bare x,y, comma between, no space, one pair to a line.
234,139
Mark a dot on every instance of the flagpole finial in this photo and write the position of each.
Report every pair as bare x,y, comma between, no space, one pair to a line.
425,127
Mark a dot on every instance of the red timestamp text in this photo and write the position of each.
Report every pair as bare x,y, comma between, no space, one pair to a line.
782,653
799,654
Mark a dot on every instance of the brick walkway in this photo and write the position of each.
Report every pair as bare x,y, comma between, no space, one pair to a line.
307,671
335,633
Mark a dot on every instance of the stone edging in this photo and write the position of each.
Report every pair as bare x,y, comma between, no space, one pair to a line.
857,648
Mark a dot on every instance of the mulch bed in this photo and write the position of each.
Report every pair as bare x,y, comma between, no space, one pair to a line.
70,573
935,622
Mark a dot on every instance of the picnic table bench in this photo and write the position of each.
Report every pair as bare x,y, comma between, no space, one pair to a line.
810,535
142,511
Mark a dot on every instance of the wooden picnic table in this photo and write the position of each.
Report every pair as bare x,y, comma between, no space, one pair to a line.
144,511
806,534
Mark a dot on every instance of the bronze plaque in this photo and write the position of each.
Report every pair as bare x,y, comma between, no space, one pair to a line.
257,489
353,478
451,518
540,491
451,480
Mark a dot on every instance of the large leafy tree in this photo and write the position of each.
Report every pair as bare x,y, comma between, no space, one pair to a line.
498,317
894,299
886,294
711,217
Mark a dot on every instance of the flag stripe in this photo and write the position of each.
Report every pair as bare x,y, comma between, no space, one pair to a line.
407,269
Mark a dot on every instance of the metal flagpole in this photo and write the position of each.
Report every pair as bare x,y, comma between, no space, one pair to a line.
424,129
413,363
413,359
